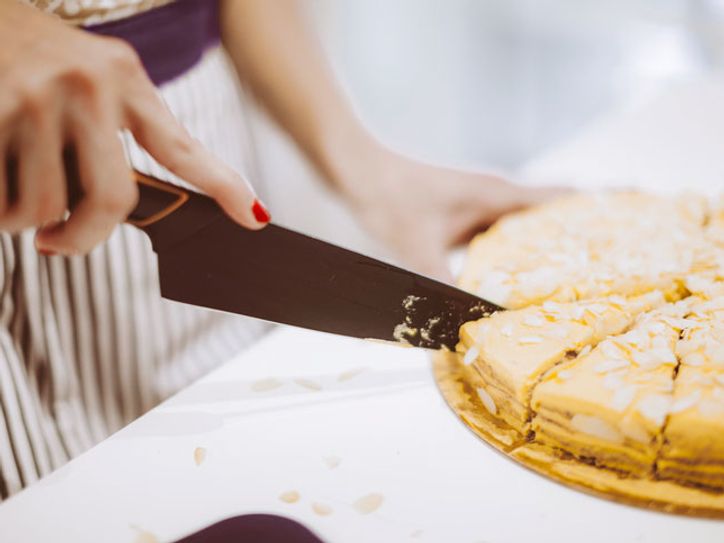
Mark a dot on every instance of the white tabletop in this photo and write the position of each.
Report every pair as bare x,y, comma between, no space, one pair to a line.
336,419
384,423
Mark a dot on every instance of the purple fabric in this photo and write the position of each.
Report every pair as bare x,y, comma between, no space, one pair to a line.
258,528
169,39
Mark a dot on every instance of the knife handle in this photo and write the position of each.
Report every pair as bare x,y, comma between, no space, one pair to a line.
156,199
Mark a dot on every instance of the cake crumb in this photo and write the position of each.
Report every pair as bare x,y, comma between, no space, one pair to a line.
349,374
308,384
369,503
264,385
199,455
144,536
321,509
332,461
291,496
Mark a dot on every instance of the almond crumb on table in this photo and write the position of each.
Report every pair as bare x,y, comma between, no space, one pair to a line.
199,455
264,385
308,384
291,496
369,503
349,374
321,509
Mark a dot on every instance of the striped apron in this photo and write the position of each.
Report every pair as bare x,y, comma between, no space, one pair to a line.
87,344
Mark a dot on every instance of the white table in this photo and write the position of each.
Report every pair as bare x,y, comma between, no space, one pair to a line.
388,428
384,429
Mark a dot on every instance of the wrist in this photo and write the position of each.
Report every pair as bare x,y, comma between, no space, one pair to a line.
348,159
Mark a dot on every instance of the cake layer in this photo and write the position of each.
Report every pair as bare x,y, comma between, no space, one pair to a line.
513,349
610,405
693,447
583,247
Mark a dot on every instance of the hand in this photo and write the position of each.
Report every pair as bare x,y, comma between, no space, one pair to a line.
421,211
63,88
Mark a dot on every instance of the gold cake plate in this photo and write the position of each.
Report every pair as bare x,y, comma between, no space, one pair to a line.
459,383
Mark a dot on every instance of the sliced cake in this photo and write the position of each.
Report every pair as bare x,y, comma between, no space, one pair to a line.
608,406
693,450
512,350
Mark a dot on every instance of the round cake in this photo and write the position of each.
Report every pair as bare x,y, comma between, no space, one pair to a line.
611,353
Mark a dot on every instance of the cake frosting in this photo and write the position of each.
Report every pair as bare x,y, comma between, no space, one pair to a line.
612,350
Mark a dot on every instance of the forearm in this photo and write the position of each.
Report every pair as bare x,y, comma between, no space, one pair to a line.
277,56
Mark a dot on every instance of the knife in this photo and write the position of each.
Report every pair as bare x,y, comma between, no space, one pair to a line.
283,276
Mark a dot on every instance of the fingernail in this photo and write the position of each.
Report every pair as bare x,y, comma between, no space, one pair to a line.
260,212
46,252
51,226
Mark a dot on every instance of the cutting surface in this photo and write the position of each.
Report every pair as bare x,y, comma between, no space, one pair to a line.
358,430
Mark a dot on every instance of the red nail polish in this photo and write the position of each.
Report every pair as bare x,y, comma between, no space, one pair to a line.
47,252
260,212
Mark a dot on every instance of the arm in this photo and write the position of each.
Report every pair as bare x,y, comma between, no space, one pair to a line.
278,57
420,210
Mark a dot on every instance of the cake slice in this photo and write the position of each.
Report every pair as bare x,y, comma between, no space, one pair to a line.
693,449
608,407
582,248
512,349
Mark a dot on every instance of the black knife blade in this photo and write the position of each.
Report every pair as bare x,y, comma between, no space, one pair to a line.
283,276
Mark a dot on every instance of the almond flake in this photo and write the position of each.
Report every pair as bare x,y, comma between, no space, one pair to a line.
610,365
369,503
349,374
534,321
321,509
144,536
610,349
654,407
291,496
471,355
530,340
263,385
552,307
487,400
308,384
199,455
507,330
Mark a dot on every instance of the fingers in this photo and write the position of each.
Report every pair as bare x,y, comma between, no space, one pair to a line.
539,195
155,128
108,191
40,180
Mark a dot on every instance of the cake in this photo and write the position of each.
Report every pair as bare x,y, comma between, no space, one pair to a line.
611,351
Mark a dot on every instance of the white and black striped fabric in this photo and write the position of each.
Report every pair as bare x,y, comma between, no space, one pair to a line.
86,343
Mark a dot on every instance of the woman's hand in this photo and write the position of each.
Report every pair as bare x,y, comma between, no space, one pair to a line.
63,88
421,211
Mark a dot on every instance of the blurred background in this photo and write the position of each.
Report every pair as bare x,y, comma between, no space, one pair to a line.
543,90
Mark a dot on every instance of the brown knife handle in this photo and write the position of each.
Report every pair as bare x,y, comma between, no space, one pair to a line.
156,199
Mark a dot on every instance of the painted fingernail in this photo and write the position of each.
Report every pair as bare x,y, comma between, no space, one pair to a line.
46,252
260,212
